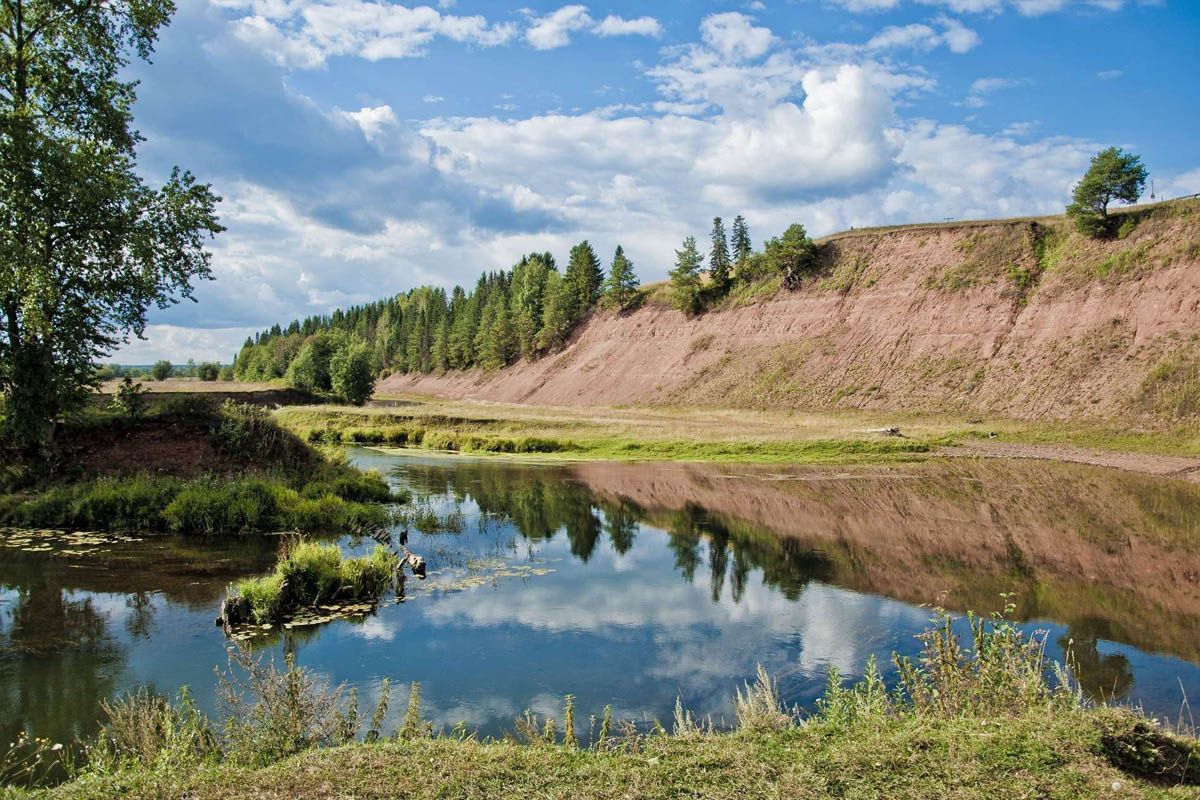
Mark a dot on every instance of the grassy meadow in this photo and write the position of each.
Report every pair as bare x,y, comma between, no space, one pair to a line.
695,434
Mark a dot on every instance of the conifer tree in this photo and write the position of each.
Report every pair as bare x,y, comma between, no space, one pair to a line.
718,259
584,278
622,283
556,313
496,340
742,248
685,277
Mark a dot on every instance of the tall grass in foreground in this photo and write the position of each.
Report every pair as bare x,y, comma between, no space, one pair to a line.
1001,674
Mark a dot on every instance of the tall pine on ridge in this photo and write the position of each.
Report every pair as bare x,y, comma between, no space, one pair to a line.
718,259
622,283
742,248
685,277
583,278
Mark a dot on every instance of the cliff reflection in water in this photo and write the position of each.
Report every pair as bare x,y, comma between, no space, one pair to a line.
1112,556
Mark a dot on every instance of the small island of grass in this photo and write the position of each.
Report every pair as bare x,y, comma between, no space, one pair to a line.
309,574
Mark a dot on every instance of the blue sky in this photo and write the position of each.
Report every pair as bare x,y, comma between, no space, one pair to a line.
363,148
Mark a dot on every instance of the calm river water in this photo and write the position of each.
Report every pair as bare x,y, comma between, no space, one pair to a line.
634,584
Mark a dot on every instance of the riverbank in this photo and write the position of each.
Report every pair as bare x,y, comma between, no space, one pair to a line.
978,718
735,435
1033,755
187,465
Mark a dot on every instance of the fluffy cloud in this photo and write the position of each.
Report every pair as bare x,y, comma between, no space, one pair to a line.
1029,8
554,30
328,207
735,37
373,122
953,34
302,35
639,26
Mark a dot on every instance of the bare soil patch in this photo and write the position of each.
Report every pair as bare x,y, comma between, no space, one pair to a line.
1146,463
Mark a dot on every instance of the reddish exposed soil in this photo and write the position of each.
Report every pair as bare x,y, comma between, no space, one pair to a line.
169,447
961,532
923,319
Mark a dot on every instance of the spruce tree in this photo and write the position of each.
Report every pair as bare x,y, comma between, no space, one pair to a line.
556,313
685,277
622,283
584,278
718,259
742,248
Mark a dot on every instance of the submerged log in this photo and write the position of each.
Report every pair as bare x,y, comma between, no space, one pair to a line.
415,563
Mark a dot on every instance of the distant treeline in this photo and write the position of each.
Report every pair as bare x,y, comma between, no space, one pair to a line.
161,370
525,312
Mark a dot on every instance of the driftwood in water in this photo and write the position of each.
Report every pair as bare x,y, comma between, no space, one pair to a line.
415,563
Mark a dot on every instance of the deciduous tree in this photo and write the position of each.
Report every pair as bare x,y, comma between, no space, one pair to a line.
350,373
86,247
1113,175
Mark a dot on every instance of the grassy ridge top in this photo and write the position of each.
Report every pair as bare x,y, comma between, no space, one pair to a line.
1045,219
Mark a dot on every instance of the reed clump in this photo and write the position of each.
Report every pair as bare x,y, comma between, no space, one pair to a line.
311,573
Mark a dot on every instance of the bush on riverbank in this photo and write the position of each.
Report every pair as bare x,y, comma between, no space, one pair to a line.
312,573
978,720
229,469
207,505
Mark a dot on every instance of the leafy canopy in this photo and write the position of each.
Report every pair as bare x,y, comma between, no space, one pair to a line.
86,247
1114,175
350,373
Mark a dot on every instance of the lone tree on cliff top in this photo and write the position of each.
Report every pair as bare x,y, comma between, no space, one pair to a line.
85,246
1113,175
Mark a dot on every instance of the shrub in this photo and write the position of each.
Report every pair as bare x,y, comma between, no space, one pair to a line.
270,715
161,370
792,255
188,408
247,430
208,371
130,399
147,730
